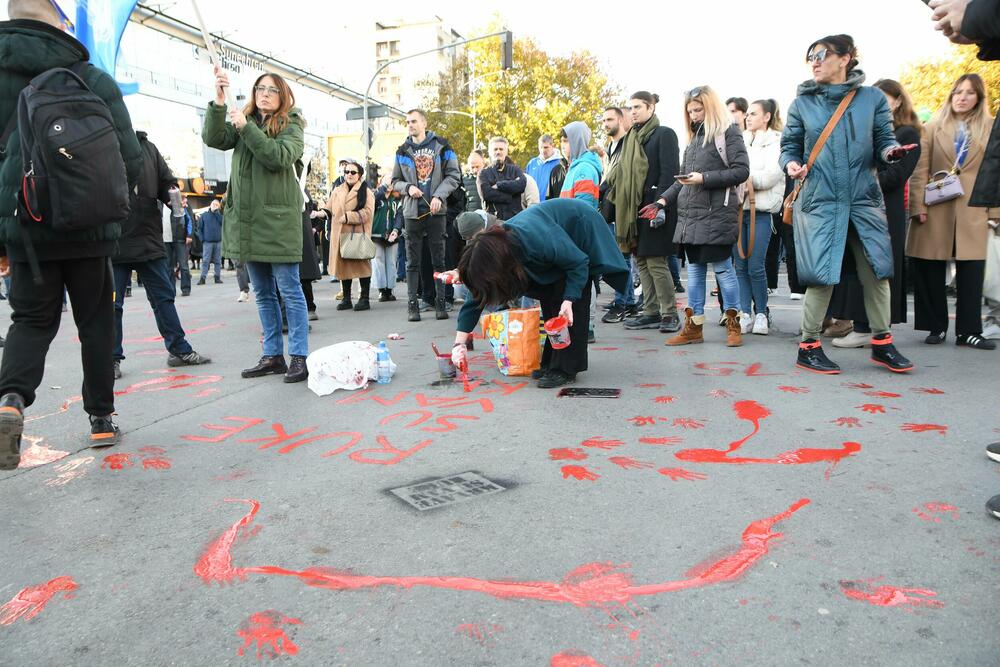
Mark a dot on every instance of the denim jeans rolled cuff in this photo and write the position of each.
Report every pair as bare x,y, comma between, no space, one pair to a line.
160,294
268,280
725,276
751,272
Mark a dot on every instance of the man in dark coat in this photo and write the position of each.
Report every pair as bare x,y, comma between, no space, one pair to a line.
502,183
33,42
141,250
210,233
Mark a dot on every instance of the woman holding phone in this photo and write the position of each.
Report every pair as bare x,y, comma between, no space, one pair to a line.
839,203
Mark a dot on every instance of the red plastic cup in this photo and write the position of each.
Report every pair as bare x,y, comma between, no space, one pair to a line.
557,329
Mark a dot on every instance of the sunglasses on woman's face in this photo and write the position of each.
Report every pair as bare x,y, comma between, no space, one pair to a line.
351,172
817,56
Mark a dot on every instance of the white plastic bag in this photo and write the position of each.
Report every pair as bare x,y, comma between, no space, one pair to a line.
991,284
348,365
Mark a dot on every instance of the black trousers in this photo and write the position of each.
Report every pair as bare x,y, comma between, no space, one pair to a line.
307,292
572,359
787,241
930,300
37,310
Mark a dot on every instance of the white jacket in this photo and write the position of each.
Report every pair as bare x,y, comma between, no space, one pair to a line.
764,149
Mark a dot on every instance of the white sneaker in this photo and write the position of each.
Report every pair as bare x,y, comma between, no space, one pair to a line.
760,324
795,296
746,323
991,330
853,339
243,297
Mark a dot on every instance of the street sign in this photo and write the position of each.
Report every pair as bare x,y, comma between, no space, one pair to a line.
374,111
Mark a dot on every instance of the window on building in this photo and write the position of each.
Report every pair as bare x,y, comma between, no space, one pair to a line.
382,87
395,82
381,49
394,48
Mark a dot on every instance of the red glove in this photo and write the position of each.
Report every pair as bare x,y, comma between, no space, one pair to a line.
649,211
899,152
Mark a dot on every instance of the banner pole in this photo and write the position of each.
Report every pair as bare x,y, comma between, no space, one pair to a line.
212,54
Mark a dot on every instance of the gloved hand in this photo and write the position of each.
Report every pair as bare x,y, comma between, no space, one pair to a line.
899,152
460,357
648,212
659,219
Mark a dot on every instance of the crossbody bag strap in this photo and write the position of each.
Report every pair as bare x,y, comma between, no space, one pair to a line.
831,125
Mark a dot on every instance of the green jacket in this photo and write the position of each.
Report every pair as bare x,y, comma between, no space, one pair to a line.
263,215
28,48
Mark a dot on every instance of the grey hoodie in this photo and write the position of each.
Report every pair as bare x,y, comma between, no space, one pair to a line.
578,135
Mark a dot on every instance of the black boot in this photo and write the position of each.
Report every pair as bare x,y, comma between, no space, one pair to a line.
11,428
884,353
345,303
297,371
413,310
383,295
363,303
440,309
266,366
812,358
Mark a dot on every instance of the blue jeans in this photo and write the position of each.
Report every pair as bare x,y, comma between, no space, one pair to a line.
674,265
750,272
211,251
268,280
724,275
160,293
626,299
177,259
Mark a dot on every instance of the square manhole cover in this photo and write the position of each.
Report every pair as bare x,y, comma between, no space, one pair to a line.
435,493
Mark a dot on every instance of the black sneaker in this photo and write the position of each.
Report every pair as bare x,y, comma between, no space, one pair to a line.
362,304
297,371
266,366
218,281
103,432
345,304
440,310
539,374
976,341
192,358
11,428
554,379
670,324
993,506
993,451
185,292
413,311
812,358
201,281
118,369
679,287
609,306
644,322
935,337
591,338
614,314
884,353
632,311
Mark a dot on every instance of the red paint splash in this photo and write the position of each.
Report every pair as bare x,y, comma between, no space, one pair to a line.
889,596
567,454
573,659
579,472
156,463
883,394
676,474
668,440
117,461
793,390
266,630
924,428
642,421
872,408
589,585
37,454
686,423
928,390
930,512
629,463
664,399
30,601
848,422
651,385
858,385
601,443
482,633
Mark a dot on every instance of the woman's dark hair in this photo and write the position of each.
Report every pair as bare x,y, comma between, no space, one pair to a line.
842,45
771,106
739,102
904,114
649,98
363,190
490,268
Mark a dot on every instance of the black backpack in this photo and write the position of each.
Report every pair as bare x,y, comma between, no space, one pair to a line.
73,173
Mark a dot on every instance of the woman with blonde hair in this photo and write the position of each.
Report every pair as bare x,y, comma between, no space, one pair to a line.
706,198
351,208
945,227
262,223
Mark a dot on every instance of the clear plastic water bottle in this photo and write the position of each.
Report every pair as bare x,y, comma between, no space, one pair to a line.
382,358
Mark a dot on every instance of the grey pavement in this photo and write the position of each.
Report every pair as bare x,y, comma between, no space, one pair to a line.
713,515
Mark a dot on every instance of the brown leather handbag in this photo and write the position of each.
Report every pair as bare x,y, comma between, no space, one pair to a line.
786,213
751,199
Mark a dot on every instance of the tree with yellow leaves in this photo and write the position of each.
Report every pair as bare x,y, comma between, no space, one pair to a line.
929,82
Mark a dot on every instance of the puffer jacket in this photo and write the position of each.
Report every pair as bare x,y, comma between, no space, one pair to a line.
764,149
842,188
707,214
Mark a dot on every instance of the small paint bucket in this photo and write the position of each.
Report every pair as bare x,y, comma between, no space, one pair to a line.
557,330
446,367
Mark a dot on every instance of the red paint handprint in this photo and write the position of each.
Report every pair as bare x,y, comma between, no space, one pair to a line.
117,461
629,463
883,394
156,463
686,423
642,421
928,390
266,630
924,428
849,422
579,472
664,399
931,510
601,443
30,601
567,454
676,474
858,385
793,390
872,408
668,440
889,596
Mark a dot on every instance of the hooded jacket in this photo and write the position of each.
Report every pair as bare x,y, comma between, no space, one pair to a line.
547,173
28,48
583,179
432,159
841,189
504,200
764,149
142,234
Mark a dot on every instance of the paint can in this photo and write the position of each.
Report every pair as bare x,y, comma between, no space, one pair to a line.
557,330
446,368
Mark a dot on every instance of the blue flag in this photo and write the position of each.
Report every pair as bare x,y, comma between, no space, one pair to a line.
99,25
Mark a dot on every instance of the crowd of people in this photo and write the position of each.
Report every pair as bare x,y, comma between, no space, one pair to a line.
861,199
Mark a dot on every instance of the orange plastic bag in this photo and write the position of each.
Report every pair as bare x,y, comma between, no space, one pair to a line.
513,335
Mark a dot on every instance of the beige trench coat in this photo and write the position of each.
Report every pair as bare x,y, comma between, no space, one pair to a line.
344,219
953,230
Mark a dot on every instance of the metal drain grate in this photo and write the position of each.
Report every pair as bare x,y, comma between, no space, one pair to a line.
445,491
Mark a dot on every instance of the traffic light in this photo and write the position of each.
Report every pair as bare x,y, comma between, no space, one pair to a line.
507,50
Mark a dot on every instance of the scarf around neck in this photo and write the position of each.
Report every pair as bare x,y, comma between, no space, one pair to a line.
627,179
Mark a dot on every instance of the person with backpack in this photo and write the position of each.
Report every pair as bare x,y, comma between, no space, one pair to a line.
836,130
61,237
387,227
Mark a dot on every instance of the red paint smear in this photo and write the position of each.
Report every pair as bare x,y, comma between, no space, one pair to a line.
794,390
889,596
651,385
924,428
117,461
858,385
849,422
684,422
642,421
664,399
157,451
719,393
579,472
567,454
30,601
604,349
592,584
872,408
883,394
669,440
629,463
931,509
481,633
165,382
573,659
265,629
156,463
676,474
37,455
205,393
602,443
928,390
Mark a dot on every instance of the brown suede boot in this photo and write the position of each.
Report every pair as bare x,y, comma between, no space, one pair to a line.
691,333
734,338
